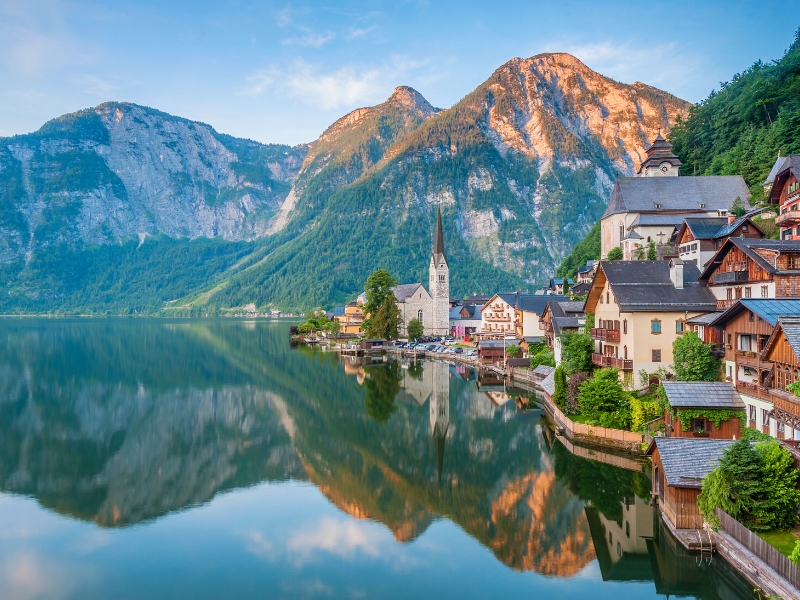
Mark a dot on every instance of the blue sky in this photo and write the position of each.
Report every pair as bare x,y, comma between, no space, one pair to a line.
283,71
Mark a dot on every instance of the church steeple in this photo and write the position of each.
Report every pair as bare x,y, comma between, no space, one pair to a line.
438,239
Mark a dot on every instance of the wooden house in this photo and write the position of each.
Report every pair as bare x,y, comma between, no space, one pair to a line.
745,328
492,352
752,268
785,193
372,345
679,465
702,399
783,349
699,238
558,318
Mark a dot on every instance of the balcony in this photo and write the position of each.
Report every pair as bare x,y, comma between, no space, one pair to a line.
790,218
498,318
723,304
601,360
605,335
731,277
785,401
753,390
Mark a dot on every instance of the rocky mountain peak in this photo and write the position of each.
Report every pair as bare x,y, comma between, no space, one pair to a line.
412,100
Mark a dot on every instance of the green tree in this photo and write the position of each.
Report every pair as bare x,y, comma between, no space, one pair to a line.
693,359
779,510
415,329
651,251
603,400
513,351
738,207
385,322
576,352
378,290
615,253
560,392
639,252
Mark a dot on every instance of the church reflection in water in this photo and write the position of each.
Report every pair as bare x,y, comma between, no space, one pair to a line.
125,428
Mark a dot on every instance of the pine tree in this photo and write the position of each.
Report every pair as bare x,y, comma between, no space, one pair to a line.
560,392
651,251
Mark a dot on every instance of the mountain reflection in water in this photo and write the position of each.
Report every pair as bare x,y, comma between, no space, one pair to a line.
122,422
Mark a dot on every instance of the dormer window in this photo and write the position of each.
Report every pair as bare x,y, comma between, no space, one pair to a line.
722,213
702,205
658,206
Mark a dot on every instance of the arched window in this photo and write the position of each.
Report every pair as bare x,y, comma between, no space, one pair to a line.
419,315
625,326
625,352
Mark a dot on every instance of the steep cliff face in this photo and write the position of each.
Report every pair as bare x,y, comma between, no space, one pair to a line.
120,169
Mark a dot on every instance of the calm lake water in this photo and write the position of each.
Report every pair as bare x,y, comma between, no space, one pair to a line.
208,459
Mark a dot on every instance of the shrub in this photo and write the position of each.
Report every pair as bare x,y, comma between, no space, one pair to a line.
571,406
615,254
560,392
643,411
693,359
603,394
513,351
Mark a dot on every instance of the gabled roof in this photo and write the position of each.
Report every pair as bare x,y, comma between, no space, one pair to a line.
788,327
704,228
729,229
581,289
750,246
562,323
687,460
509,298
676,194
585,269
338,311
702,394
704,319
543,370
487,344
776,168
645,285
769,309
455,313
536,303
404,291
477,299
571,307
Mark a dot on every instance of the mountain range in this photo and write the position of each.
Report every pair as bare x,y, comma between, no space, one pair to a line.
122,208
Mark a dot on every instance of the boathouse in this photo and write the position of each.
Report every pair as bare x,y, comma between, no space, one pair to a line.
703,409
492,352
372,345
679,465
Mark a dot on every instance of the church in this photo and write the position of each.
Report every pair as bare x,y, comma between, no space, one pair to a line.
432,307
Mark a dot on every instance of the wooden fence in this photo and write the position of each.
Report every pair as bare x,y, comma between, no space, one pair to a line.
776,561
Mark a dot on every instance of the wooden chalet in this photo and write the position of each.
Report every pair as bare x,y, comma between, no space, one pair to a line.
702,398
745,329
783,349
785,193
699,238
493,352
679,465
753,268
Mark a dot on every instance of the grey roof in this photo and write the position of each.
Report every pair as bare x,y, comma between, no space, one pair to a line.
562,323
338,311
509,298
776,168
702,394
404,291
477,299
705,228
645,285
769,309
749,247
704,319
533,339
727,230
559,281
543,370
486,344
584,269
664,219
536,303
572,306
438,240
455,313
687,460
791,329
582,288
641,194
548,384
792,163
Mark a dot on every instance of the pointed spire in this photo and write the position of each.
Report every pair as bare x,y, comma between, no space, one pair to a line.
438,240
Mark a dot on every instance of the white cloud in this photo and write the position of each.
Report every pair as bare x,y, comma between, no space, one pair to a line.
95,86
315,40
357,33
25,577
347,86
343,538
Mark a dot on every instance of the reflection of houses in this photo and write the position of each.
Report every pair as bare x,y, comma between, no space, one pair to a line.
439,405
621,546
679,465
702,399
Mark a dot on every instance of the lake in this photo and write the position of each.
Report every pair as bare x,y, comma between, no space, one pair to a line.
209,459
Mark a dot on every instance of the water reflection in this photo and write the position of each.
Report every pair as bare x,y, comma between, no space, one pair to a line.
119,423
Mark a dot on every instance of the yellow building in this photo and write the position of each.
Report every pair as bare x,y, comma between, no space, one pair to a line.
640,309
352,319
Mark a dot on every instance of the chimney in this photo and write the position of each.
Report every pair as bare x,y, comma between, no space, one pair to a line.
731,219
676,273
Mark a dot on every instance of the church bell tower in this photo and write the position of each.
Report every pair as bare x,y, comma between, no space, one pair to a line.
439,276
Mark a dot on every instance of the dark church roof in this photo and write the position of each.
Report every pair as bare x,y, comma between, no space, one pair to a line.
660,152
439,256
685,194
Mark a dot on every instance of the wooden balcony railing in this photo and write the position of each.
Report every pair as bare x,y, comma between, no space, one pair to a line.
601,360
750,359
605,335
731,277
753,390
723,304
785,401
790,218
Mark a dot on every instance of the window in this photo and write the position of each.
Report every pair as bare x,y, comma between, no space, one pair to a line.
764,291
625,352
678,326
655,326
780,427
658,206
748,293
738,293
656,355
752,413
699,426
627,529
729,340
729,293
751,316
794,261
419,316
625,326
621,232
764,417
607,298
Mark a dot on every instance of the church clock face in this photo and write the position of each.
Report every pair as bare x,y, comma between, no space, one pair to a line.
664,169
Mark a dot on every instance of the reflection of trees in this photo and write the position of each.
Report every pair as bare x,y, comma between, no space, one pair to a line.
381,388
415,369
605,486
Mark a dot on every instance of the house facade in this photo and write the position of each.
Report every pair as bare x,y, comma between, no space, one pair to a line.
530,308
783,351
650,206
753,268
640,309
698,239
465,320
700,399
351,318
745,329
499,315
785,195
